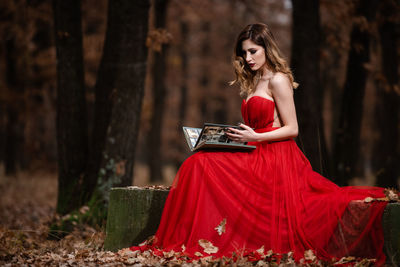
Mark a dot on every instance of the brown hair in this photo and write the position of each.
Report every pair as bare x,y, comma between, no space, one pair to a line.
261,35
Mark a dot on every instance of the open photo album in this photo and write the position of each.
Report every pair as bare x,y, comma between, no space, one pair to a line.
212,136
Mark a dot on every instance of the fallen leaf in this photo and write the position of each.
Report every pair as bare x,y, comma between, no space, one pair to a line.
84,209
208,247
221,227
392,194
368,199
198,254
309,255
169,254
261,250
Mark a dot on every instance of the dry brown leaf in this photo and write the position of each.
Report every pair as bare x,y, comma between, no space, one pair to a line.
260,250
169,254
346,260
368,199
221,227
84,209
392,194
206,260
309,255
207,246
157,37
149,241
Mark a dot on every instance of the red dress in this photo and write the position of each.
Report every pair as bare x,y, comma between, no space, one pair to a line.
268,197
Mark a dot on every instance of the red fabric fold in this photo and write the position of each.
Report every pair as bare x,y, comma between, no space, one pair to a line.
269,197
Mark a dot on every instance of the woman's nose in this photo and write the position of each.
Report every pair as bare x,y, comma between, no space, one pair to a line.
248,57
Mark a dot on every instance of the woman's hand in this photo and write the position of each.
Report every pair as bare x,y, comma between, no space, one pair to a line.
245,135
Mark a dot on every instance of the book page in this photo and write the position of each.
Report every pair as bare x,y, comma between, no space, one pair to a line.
215,133
191,135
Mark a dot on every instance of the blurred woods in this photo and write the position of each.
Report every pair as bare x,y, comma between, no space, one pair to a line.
128,75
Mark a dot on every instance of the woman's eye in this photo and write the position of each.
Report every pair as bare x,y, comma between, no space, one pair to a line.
253,52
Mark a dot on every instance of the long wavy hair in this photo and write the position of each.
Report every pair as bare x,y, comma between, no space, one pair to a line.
259,34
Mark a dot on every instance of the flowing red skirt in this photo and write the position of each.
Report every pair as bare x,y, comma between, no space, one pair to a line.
276,201
268,197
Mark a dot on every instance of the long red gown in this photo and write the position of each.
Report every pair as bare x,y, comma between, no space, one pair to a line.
269,197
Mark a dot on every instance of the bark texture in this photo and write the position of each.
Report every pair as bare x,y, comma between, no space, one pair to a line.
308,96
119,94
154,139
386,154
72,137
347,147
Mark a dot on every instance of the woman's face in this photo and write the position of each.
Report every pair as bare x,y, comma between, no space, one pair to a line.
253,54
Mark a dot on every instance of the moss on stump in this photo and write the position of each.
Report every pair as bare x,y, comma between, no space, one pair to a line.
134,214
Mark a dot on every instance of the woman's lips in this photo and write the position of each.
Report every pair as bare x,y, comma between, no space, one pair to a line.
252,64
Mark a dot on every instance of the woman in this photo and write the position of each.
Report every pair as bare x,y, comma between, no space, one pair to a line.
269,197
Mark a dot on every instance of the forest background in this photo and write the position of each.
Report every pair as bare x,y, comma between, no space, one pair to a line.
93,94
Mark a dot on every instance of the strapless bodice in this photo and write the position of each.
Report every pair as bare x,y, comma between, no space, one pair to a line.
258,113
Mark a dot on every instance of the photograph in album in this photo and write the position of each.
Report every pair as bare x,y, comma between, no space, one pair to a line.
212,136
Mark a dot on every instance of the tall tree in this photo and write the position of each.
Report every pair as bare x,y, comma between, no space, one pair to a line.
204,79
72,136
308,97
347,147
159,92
119,93
386,154
16,65
184,29
14,123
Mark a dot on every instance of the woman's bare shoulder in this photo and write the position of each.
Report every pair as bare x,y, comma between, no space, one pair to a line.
280,81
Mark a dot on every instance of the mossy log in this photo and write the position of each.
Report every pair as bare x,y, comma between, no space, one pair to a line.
134,214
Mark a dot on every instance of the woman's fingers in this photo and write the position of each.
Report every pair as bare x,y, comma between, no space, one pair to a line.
244,126
234,130
233,135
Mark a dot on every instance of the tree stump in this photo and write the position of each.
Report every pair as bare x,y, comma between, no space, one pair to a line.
391,230
134,214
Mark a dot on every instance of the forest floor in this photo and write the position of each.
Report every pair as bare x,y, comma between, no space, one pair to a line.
27,206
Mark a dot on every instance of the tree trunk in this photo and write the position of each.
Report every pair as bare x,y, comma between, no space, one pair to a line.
11,127
154,140
183,89
347,147
386,155
308,97
119,93
15,66
72,137
205,97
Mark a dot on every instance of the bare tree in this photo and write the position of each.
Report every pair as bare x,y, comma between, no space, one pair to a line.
386,154
347,147
119,94
154,155
305,64
72,137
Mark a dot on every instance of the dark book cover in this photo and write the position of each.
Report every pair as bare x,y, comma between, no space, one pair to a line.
213,136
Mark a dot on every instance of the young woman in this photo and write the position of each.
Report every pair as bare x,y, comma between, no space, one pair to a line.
270,197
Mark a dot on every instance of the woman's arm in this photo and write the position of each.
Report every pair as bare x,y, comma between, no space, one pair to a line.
282,93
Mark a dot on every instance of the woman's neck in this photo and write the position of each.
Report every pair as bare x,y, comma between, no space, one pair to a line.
265,74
